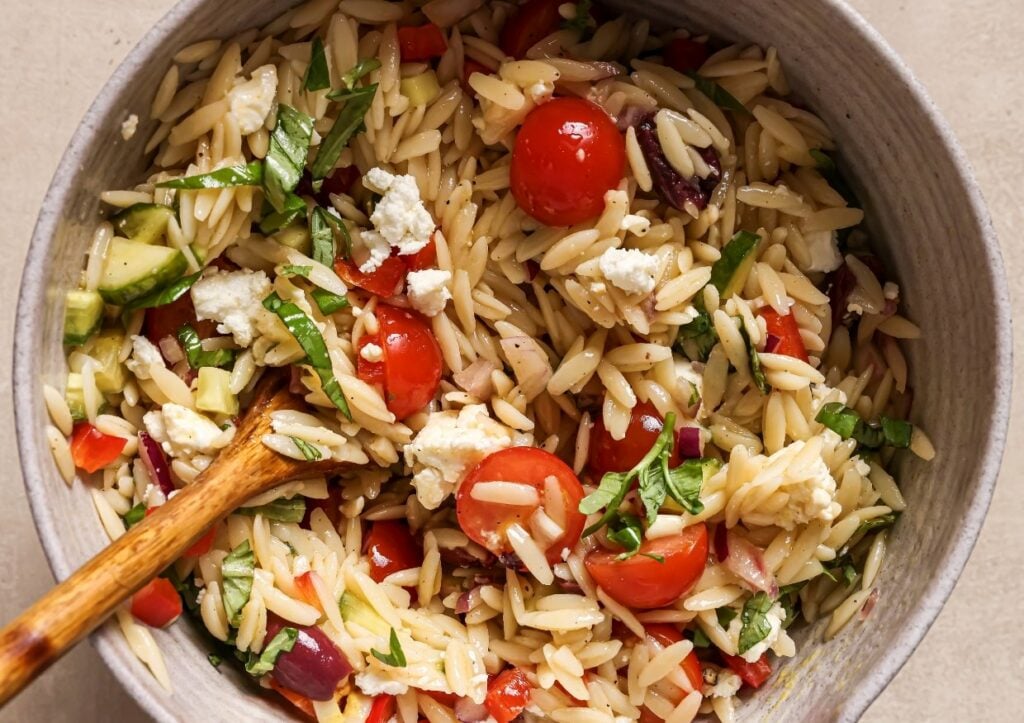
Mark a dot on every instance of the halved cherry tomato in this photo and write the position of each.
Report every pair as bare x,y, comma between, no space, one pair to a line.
382,709
91,449
618,455
329,506
684,54
157,604
299,701
425,258
385,281
307,590
470,66
164,321
485,522
371,372
667,635
787,331
412,360
201,546
533,22
341,180
643,582
421,43
753,674
567,155
507,695
390,547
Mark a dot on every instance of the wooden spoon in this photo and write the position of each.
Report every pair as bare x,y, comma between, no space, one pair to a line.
77,606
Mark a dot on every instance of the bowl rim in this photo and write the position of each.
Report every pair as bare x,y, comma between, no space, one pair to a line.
33,288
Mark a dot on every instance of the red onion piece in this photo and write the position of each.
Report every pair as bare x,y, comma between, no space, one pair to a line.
314,667
153,458
869,604
466,711
476,378
630,116
690,443
746,561
295,385
770,343
467,601
721,543
668,182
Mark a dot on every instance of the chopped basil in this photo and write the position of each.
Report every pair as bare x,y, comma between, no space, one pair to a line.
847,424
897,432
839,418
250,174
294,209
197,356
686,480
164,296
321,232
310,451
581,20
134,515
362,68
700,639
215,660
756,626
878,523
849,574
263,663
694,395
290,510
698,337
829,170
292,270
349,121
725,616
286,156
717,94
789,599
327,302
396,657
755,361
237,573
312,342
318,76
625,530
186,589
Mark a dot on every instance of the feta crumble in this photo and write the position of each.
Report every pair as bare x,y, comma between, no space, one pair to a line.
727,684
774,618
400,219
129,126
371,353
235,301
809,488
184,433
629,269
372,684
823,248
636,225
144,354
428,290
251,101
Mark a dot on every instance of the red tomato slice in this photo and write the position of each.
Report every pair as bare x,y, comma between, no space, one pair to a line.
163,321
421,43
390,547
371,372
385,282
618,455
786,329
533,22
643,582
382,709
684,54
568,153
485,522
507,695
307,590
753,674
666,635
91,449
157,604
425,258
299,701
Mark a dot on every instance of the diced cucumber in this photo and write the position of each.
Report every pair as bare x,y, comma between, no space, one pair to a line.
420,89
106,349
144,223
295,237
730,272
355,609
83,314
75,396
134,269
214,392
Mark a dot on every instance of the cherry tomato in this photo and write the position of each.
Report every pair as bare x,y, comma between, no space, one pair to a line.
382,709
390,547
412,360
299,701
341,180
507,695
425,258
752,674
164,321
533,22
421,43
470,66
385,282
568,153
643,582
157,604
307,590
667,635
684,54
371,372
201,546
618,455
329,506
788,333
485,522
91,449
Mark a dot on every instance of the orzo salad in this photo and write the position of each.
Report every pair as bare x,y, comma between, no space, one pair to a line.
585,304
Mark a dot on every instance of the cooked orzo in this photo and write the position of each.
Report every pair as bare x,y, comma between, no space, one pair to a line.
585,304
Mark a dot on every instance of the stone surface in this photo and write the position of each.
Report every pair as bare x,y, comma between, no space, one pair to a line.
966,55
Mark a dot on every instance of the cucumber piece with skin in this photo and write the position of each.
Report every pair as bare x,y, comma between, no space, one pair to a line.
356,610
74,395
214,392
144,223
295,237
106,350
730,272
83,314
133,269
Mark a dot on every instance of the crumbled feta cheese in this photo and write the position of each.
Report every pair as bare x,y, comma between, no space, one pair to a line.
375,248
251,101
810,492
636,225
775,618
235,301
629,269
372,684
400,219
823,248
428,290
301,565
144,355
727,684
891,291
371,353
153,496
541,92
450,444
129,126
184,433
664,526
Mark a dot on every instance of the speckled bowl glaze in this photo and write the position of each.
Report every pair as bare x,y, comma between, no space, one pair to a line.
928,221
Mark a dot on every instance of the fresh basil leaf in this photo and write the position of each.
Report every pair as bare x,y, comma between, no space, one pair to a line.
625,530
653,488
755,361
839,418
651,555
293,270
317,75
167,295
897,432
849,574
294,209
685,481
717,94
197,356
694,395
312,342
700,638
250,174
581,21
756,626
362,68
327,302
321,232
396,657
134,515
829,170
237,572
186,589
878,523
608,495
349,121
263,663
698,337
290,510
309,451
214,660
725,616
790,601
286,156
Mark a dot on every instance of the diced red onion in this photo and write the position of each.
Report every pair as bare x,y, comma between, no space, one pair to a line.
466,711
770,343
171,350
869,604
156,463
476,378
295,385
744,560
673,188
690,442
467,601
630,116
314,667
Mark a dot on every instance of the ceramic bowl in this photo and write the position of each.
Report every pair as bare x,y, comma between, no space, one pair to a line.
928,222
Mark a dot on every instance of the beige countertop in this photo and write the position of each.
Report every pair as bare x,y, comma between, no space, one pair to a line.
56,54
